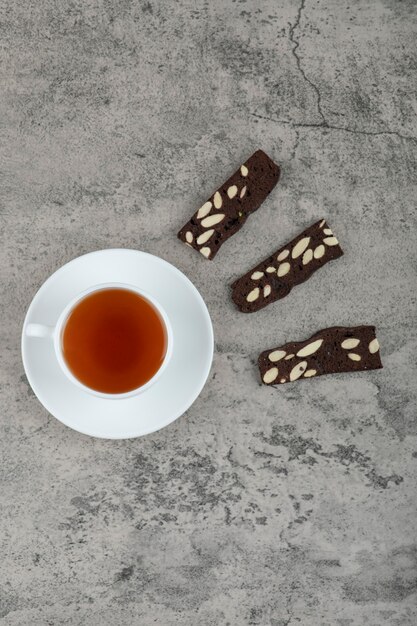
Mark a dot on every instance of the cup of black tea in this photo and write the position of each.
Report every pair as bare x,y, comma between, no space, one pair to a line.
113,340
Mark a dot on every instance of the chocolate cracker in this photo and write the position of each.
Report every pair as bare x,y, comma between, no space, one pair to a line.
291,265
228,208
330,351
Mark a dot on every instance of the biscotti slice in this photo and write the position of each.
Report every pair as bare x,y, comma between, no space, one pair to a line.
273,278
228,208
330,351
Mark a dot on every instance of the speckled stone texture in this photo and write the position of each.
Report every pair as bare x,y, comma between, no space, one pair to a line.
261,506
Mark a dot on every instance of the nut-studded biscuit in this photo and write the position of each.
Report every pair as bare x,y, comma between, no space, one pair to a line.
329,351
291,265
228,208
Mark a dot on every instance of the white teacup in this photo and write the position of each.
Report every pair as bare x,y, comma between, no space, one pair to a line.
54,333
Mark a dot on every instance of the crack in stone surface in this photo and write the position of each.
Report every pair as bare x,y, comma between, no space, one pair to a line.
327,126
296,44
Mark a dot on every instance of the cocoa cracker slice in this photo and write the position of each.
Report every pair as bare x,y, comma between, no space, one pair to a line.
330,351
291,265
228,208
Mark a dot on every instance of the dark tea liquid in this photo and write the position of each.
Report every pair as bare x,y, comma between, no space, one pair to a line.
114,340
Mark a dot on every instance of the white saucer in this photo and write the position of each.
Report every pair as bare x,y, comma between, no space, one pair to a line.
180,383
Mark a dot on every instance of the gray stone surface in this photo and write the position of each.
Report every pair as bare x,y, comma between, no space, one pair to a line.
260,506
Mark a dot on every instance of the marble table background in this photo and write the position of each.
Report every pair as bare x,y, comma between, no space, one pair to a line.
260,506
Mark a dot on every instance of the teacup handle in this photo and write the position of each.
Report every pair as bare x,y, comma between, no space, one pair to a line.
39,330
